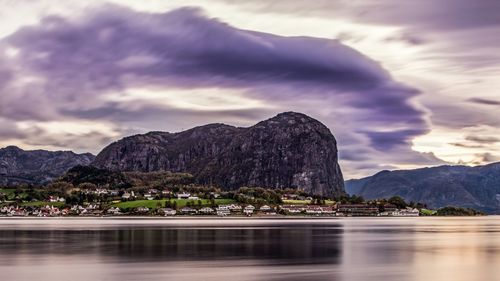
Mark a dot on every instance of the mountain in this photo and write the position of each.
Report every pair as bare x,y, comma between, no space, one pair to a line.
473,187
288,150
37,166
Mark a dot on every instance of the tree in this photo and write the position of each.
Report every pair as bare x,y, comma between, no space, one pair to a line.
168,204
87,186
398,202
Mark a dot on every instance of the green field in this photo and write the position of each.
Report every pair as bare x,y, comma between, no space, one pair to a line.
152,204
9,192
427,212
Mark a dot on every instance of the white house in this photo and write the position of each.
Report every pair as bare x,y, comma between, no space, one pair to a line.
168,212
248,210
188,210
409,212
265,208
183,195
114,211
223,211
234,208
206,210
142,209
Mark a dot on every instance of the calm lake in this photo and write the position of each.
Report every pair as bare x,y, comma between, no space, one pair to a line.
250,249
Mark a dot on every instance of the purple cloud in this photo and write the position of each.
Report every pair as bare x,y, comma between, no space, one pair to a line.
484,101
482,140
81,61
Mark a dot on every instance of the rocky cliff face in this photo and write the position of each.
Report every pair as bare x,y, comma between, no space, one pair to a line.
474,187
37,166
289,150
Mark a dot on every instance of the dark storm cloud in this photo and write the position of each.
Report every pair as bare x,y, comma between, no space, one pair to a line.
456,30
387,140
80,142
410,39
481,158
484,101
158,116
482,140
457,116
473,141
186,48
440,15
459,144
114,48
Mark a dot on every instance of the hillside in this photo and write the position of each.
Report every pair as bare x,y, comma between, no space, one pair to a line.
19,166
474,187
288,150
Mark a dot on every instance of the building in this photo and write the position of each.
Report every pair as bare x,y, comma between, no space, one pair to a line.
188,211
56,199
235,208
248,210
293,209
142,210
389,210
114,211
223,211
183,195
409,212
314,210
168,211
265,209
206,210
358,210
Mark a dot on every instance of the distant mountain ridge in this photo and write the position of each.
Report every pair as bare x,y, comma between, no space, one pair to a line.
288,150
19,166
473,187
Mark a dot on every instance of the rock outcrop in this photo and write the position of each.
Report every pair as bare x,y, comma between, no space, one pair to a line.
288,150
19,166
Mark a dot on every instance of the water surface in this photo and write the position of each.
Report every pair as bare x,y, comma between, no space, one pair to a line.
251,249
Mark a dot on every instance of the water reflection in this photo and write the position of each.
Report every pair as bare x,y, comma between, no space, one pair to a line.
301,244
337,249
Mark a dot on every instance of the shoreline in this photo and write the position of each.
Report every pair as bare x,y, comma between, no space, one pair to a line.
227,217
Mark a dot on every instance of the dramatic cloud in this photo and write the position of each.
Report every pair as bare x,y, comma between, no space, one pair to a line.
78,78
484,101
481,139
138,70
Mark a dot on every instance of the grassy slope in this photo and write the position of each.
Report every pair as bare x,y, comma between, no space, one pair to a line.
8,191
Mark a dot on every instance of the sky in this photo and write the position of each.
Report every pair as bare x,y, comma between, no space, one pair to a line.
401,84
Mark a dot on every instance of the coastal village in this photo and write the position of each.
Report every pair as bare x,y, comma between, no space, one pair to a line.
154,202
